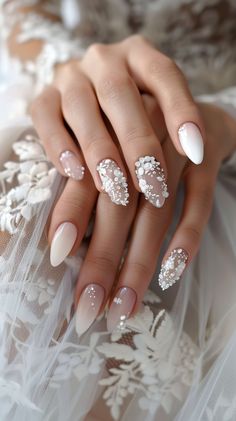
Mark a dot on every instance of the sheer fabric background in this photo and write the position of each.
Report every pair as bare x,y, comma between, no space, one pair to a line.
176,359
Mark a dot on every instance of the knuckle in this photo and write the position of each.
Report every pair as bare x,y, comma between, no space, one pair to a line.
144,270
112,87
134,134
96,50
73,206
193,233
94,145
103,261
160,66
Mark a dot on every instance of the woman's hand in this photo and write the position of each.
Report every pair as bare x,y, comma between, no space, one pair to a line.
113,223
108,81
100,268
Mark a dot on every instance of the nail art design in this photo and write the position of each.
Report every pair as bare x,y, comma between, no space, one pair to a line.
151,180
192,142
113,181
172,268
62,243
121,308
88,307
71,165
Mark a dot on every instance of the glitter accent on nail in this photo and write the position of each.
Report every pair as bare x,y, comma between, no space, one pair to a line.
172,268
71,165
120,309
89,306
113,181
151,180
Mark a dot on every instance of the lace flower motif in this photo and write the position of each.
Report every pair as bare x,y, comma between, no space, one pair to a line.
31,179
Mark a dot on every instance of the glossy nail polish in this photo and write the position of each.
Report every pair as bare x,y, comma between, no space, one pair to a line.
71,165
89,304
172,268
113,181
121,308
151,179
62,243
192,142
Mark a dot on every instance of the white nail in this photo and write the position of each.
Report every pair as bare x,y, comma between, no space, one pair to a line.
62,243
192,142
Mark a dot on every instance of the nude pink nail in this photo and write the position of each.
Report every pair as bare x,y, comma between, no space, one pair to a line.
71,165
88,307
121,308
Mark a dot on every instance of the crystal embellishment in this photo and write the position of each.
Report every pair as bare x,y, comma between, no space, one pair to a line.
151,179
172,268
71,165
113,181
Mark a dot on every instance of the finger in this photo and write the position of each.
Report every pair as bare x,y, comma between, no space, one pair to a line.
160,75
155,116
121,102
186,240
58,143
140,263
82,113
70,218
102,261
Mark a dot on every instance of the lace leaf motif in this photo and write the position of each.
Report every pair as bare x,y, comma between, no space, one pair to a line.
151,365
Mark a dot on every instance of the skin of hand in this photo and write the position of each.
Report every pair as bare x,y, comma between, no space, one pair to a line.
145,225
108,81
124,287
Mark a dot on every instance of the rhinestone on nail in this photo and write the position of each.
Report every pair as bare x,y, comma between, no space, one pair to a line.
151,180
113,181
71,165
172,268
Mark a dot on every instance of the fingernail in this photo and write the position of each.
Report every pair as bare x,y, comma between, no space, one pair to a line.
71,165
192,142
121,308
172,268
151,179
88,307
62,243
113,181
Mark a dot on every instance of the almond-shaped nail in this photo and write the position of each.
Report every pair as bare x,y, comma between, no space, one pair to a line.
71,165
151,179
121,308
113,181
89,304
62,243
172,268
192,142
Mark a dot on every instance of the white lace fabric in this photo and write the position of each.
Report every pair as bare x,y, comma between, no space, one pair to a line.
175,360
34,309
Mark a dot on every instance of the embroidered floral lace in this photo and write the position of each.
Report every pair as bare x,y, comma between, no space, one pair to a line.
154,360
